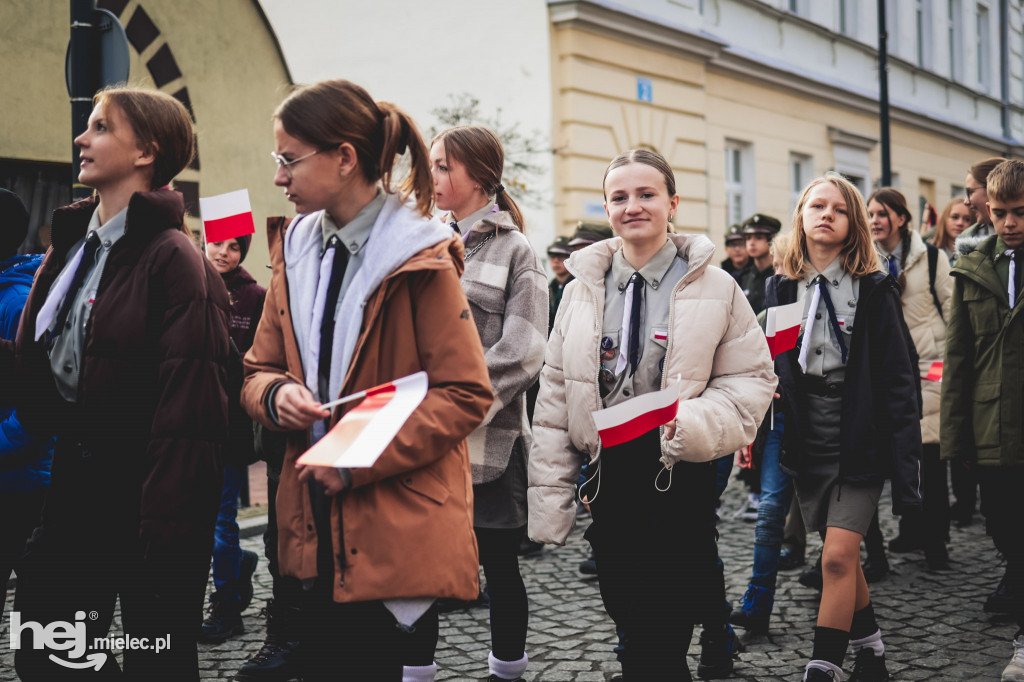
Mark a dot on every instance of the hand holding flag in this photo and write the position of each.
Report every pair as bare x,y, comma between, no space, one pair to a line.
782,327
362,435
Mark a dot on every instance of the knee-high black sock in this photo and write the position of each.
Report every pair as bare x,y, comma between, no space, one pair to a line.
830,645
864,623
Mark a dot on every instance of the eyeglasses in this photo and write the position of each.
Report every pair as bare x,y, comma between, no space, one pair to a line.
971,190
285,165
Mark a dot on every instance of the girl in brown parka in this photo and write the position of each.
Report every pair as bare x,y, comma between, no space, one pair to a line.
365,290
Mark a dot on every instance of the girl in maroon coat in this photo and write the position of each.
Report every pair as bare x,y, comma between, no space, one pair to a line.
121,354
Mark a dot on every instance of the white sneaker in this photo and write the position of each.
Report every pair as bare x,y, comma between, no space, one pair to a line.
1014,672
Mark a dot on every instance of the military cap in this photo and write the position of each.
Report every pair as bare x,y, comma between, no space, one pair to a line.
760,223
589,233
560,247
734,235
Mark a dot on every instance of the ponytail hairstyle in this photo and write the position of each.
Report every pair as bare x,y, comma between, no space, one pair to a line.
480,152
162,127
330,113
858,255
895,205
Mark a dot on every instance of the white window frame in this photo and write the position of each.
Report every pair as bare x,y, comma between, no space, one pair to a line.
846,17
955,39
798,7
923,27
739,181
982,38
801,172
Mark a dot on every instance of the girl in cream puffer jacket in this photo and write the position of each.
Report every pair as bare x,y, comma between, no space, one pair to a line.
714,345
645,308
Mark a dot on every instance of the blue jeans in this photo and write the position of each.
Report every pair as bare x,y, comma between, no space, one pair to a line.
776,494
227,555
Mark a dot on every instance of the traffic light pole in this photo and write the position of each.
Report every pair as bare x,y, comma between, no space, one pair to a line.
80,86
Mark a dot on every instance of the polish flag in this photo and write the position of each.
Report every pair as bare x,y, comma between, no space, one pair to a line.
934,372
359,438
227,216
782,327
623,422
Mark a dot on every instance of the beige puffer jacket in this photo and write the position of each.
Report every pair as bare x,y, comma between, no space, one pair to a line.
927,328
715,345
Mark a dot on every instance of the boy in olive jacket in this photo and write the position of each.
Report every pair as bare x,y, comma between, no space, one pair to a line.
983,384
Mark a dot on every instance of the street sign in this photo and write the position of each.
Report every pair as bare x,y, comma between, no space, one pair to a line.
644,89
109,56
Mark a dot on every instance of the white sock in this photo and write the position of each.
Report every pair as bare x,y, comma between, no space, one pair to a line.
870,642
506,670
837,672
419,673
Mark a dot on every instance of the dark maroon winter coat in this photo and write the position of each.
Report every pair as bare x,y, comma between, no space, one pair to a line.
152,414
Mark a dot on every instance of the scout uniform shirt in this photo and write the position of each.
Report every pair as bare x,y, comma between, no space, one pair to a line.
824,358
661,273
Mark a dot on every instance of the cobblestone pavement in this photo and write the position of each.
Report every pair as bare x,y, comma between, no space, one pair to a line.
933,624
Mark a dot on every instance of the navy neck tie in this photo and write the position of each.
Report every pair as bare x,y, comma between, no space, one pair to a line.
634,323
833,320
84,266
327,322
893,268
455,226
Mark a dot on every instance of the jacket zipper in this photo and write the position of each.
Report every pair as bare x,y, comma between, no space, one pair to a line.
342,564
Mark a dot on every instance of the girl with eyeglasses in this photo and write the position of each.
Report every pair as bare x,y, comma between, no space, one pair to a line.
365,290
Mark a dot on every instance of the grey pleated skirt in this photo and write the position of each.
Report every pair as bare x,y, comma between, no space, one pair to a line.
823,501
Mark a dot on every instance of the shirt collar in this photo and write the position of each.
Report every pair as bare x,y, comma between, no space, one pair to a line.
110,231
467,223
833,274
653,272
1000,250
357,231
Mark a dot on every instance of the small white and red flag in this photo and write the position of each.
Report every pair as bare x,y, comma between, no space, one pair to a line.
782,327
359,438
631,419
227,216
934,372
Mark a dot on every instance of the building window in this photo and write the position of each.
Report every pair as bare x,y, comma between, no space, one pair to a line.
739,181
801,172
847,12
923,25
797,6
955,40
982,41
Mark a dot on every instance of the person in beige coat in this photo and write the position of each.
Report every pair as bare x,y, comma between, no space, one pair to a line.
652,498
925,309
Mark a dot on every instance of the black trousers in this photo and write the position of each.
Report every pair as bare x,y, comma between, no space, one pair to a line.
159,604
931,525
1000,505
499,557
361,641
19,512
656,553
287,590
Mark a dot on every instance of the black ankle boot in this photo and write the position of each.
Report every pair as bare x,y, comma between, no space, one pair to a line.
277,660
223,622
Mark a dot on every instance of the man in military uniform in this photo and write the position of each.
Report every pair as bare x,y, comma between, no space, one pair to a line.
558,251
736,250
758,231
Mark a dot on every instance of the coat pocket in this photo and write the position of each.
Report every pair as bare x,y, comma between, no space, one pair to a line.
985,416
983,310
426,484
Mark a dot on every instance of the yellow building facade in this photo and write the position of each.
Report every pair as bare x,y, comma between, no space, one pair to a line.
219,58
742,136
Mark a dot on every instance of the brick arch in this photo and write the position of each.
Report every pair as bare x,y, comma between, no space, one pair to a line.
163,68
